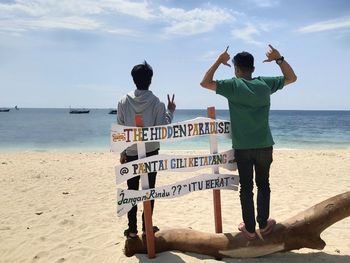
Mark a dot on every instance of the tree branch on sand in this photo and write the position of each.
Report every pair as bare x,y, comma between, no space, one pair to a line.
300,231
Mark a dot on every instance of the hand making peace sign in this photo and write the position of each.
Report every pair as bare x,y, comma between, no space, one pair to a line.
171,103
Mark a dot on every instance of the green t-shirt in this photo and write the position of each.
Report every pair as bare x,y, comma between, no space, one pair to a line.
249,104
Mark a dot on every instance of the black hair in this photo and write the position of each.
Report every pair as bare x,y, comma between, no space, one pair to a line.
142,75
244,61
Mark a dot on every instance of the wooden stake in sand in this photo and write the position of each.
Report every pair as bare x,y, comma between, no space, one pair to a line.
300,231
147,210
216,192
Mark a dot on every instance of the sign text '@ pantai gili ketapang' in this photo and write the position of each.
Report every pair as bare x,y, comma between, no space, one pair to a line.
177,164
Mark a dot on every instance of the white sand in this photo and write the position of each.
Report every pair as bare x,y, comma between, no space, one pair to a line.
61,207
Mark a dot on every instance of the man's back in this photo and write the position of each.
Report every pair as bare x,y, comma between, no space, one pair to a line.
142,102
153,113
249,103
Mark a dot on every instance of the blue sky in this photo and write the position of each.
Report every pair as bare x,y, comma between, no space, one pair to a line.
80,52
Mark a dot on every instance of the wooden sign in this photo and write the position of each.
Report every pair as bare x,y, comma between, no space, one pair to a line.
124,136
179,163
126,199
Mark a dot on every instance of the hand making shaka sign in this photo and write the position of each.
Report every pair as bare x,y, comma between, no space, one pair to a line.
272,54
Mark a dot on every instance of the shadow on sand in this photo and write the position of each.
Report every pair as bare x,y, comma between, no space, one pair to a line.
171,257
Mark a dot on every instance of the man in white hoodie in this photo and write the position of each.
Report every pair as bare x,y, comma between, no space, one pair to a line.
142,101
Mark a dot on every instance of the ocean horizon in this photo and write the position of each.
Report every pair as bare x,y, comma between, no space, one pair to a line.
54,129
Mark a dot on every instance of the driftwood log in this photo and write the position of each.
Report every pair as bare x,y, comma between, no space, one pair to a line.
300,231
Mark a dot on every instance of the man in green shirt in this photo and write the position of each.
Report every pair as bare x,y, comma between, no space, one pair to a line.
249,105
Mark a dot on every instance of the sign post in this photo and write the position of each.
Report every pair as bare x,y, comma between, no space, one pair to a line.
125,136
147,210
216,192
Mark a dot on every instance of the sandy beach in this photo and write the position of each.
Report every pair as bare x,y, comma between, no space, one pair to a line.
61,206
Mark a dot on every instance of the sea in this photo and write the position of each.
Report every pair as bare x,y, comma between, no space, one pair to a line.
34,129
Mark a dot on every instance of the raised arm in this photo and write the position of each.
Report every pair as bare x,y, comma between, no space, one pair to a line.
207,81
287,71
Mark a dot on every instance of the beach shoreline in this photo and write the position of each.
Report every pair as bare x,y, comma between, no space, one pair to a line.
165,150
61,206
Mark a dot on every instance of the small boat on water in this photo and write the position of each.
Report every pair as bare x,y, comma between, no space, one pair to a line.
79,111
4,109
112,112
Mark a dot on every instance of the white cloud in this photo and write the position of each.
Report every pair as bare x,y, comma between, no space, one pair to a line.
209,55
121,31
247,34
70,22
266,3
334,24
139,9
24,15
194,21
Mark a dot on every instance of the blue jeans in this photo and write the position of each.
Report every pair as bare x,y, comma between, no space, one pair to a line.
259,160
133,184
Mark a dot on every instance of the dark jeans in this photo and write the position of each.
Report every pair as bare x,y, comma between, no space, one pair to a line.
260,160
133,184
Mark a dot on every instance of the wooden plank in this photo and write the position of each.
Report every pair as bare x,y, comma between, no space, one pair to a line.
125,136
126,199
177,163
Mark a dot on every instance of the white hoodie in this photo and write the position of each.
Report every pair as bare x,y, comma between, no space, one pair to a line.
153,113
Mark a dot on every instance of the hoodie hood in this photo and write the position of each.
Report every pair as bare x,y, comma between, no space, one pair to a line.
153,113
141,99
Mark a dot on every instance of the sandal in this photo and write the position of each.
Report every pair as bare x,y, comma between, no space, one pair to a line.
155,230
246,234
269,227
130,235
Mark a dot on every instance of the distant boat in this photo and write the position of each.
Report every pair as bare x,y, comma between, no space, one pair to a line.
112,112
78,111
4,109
